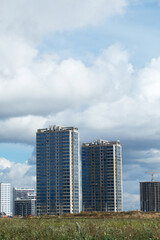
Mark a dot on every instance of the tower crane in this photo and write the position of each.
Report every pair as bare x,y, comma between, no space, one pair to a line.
152,174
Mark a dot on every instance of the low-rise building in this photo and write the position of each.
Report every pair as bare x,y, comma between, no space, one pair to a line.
24,201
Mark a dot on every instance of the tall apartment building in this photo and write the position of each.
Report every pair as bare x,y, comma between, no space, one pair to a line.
58,170
150,196
5,198
102,176
24,201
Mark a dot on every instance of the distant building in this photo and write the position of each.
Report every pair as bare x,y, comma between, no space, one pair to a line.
150,196
58,170
5,198
25,207
102,176
24,201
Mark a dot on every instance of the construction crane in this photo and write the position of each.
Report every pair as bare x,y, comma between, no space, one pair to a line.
152,174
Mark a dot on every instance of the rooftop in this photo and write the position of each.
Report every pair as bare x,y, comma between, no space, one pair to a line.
56,128
101,142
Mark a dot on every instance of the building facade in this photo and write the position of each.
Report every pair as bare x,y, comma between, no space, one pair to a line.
150,196
102,176
5,198
24,201
58,170
25,207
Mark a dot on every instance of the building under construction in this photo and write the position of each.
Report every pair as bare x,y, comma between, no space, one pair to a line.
102,176
150,196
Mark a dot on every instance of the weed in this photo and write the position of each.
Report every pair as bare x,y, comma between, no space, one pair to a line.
79,229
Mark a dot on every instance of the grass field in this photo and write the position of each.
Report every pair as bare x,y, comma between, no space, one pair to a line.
82,227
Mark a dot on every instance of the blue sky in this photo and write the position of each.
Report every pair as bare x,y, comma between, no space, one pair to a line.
16,152
94,64
136,30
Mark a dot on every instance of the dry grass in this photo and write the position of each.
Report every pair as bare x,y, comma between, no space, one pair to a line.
87,226
124,215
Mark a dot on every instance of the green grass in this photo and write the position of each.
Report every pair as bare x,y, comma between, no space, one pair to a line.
74,228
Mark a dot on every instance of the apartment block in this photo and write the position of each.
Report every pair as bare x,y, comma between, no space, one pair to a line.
58,170
102,176
24,201
5,198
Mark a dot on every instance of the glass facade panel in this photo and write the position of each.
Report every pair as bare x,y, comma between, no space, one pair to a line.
58,170
102,176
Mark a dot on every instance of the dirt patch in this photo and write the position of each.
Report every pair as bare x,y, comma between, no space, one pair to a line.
127,215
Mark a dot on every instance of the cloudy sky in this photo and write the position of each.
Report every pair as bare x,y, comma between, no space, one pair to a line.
94,64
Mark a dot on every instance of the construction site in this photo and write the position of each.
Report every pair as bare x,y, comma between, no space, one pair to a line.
150,195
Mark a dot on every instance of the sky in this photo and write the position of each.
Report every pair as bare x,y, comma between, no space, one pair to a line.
94,64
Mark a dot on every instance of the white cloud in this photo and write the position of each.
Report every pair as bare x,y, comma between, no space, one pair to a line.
149,156
36,83
18,174
133,173
149,81
34,18
20,129
108,99
109,96
131,202
5,164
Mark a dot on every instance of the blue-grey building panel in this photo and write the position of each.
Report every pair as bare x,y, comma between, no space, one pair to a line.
102,176
57,163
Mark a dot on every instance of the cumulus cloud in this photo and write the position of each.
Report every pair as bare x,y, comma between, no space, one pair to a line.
149,156
32,158
33,19
23,70
40,87
5,164
131,202
18,174
20,129
108,99
108,95
48,87
132,175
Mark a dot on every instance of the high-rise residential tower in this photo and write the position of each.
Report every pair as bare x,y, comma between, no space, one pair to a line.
5,198
58,170
102,176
